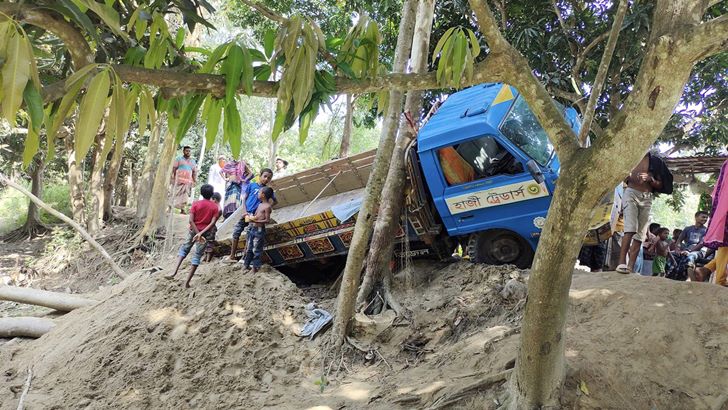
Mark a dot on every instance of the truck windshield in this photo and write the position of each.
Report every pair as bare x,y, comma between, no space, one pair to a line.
523,129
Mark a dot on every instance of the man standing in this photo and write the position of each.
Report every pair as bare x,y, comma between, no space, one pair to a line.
645,179
184,177
216,178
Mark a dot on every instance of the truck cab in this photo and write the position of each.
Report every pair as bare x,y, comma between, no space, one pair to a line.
490,170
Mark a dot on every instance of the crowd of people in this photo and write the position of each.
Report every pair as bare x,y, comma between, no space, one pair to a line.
232,191
698,252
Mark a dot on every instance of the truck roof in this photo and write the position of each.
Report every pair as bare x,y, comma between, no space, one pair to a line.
462,110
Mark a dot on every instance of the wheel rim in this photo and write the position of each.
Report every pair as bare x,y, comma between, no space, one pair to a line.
505,249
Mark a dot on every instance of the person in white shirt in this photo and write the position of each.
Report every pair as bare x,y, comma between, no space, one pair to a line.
281,168
216,178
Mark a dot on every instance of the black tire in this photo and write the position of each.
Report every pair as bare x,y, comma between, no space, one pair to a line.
500,248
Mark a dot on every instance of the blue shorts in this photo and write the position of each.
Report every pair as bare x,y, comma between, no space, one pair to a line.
199,247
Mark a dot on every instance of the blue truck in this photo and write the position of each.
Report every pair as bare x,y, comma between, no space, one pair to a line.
480,174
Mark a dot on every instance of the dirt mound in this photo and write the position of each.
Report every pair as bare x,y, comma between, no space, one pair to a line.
153,344
632,342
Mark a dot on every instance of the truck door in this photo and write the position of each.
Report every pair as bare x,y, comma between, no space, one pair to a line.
487,186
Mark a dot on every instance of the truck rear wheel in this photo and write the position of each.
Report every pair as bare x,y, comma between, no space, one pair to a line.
499,248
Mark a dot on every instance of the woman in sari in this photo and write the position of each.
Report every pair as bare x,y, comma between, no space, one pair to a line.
238,175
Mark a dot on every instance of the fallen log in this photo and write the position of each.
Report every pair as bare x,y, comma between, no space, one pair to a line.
54,300
25,326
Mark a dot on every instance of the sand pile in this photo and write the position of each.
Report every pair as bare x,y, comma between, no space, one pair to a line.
632,342
153,344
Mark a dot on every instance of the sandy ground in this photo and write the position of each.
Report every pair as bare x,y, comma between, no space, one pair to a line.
230,342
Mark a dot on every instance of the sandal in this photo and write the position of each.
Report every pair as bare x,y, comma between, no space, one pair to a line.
622,268
228,259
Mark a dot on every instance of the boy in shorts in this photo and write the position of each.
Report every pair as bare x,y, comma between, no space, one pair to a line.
255,234
203,216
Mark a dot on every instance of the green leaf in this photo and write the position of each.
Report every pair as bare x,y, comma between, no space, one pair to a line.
57,118
179,38
458,59
34,106
232,128
33,65
442,42
246,77
189,115
92,108
305,121
15,75
212,115
108,15
269,39
232,68
79,75
32,143
256,55
73,13
118,104
262,72
474,45
135,56
214,58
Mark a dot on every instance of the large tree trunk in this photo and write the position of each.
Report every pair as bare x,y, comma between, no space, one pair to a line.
146,180
365,219
382,246
110,179
94,218
158,201
75,181
585,177
348,125
54,300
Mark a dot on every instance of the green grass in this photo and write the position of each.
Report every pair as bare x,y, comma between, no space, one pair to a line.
14,206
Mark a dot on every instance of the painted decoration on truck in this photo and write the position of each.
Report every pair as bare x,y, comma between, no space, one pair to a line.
346,237
291,252
501,195
320,245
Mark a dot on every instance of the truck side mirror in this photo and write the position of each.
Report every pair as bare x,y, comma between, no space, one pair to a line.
535,171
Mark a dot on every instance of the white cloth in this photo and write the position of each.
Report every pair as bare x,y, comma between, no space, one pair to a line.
215,179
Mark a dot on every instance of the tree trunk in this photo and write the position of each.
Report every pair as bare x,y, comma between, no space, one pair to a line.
54,300
94,218
382,246
158,202
585,177
110,179
365,219
75,181
146,180
64,218
540,372
25,326
348,125
122,193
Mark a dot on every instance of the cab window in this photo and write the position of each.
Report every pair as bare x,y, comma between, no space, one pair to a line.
476,159
523,129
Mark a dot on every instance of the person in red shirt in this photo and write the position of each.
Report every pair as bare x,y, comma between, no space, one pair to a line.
203,216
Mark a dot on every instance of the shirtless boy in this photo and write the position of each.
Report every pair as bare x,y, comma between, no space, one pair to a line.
636,205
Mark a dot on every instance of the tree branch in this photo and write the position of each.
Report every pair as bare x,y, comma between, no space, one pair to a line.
492,69
707,38
602,72
76,44
518,72
265,11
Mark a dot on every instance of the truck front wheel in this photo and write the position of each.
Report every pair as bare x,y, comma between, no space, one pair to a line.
499,248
